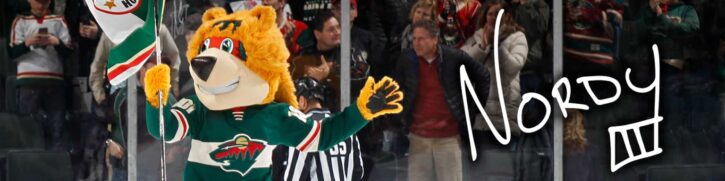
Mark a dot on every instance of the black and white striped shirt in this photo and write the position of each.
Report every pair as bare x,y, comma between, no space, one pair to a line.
342,162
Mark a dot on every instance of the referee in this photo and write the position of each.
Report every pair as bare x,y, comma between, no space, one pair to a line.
342,162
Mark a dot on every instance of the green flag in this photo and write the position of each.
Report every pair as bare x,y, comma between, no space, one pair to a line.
132,26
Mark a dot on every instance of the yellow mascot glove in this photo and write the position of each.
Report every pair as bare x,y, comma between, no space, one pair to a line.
377,99
157,79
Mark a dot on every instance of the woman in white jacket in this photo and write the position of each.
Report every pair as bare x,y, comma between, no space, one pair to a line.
512,56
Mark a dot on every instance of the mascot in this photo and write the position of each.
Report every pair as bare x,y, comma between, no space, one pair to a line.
244,103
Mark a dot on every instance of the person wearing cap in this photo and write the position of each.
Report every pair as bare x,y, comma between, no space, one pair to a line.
341,162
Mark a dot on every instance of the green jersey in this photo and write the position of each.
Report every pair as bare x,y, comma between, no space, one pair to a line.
238,143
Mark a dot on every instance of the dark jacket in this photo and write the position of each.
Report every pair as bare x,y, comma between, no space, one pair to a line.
360,68
406,75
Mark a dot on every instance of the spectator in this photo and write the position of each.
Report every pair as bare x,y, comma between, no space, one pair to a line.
116,144
422,10
326,30
39,44
589,43
579,158
365,45
433,105
296,34
513,50
97,78
590,49
90,32
327,35
313,60
589,39
457,20
85,32
671,22
291,164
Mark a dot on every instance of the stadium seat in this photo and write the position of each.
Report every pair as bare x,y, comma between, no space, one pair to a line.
20,133
22,165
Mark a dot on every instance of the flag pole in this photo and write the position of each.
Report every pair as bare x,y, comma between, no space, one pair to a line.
162,130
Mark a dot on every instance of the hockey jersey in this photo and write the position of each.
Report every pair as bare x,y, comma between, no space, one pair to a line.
238,144
39,66
590,30
341,162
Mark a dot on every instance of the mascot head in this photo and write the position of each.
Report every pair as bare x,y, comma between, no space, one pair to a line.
240,59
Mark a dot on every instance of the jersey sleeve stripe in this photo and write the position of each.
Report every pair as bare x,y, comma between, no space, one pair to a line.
311,139
182,126
12,31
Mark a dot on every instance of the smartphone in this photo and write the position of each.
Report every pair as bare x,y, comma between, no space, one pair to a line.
43,34
43,30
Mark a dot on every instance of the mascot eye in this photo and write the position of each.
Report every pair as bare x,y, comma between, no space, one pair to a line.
205,46
227,45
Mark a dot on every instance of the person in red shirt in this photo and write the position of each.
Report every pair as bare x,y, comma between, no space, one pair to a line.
296,33
433,105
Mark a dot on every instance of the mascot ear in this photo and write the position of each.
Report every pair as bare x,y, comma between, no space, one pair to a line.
213,13
266,16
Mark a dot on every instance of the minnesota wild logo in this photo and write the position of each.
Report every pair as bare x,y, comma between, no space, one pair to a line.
117,6
238,154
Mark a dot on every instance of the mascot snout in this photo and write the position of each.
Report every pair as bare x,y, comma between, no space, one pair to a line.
217,78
